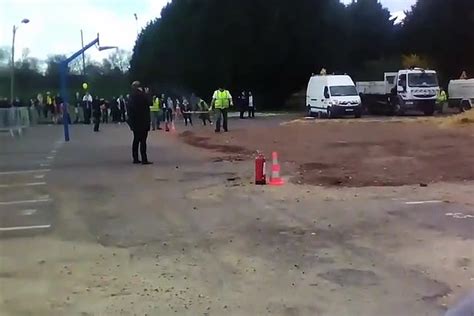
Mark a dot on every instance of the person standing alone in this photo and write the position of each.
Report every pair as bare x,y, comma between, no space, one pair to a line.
87,106
122,108
243,104
155,110
187,115
96,111
139,120
251,106
221,101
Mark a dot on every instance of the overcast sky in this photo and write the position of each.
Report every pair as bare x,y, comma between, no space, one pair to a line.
55,25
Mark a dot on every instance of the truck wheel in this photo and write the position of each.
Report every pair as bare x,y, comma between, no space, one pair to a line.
466,105
429,111
309,113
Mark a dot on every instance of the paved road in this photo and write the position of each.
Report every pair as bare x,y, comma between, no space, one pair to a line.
191,235
26,206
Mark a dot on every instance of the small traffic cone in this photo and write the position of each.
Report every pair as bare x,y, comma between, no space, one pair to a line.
276,178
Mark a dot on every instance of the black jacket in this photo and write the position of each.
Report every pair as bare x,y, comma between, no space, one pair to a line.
96,108
139,111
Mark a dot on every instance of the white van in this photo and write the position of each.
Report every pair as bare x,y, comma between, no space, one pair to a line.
332,96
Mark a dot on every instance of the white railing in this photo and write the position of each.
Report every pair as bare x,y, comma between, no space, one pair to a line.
14,119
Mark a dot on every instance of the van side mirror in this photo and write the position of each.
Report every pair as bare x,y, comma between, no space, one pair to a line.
326,92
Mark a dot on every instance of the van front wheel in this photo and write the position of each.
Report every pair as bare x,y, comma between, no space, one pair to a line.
329,113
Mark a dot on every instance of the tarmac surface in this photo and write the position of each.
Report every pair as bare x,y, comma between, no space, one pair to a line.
85,232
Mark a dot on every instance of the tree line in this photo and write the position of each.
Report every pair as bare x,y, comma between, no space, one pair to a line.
106,78
272,48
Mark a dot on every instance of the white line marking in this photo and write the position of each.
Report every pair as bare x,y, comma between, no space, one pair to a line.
16,185
28,212
50,157
54,151
9,229
4,173
423,202
459,215
45,164
43,200
39,176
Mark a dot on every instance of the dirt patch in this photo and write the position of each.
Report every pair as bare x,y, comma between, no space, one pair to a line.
360,154
205,142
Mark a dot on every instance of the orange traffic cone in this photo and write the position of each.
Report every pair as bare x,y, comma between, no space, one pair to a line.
276,178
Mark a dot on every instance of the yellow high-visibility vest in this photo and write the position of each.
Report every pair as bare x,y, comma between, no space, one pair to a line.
442,97
156,105
223,99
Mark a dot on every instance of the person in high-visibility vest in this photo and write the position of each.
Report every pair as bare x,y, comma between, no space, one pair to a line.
155,111
441,100
221,101
49,105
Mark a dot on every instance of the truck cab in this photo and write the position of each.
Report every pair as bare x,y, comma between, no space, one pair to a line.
416,89
408,89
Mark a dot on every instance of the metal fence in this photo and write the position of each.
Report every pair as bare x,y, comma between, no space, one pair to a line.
14,119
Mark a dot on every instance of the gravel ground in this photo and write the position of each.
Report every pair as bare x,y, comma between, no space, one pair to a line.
368,152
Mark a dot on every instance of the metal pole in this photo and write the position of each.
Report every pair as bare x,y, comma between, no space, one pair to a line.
83,56
12,68
63,78
136,22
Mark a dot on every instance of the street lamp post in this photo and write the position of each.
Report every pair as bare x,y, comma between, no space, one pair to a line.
12,67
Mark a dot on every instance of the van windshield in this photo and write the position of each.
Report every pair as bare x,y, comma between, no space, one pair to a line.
343,91
422,79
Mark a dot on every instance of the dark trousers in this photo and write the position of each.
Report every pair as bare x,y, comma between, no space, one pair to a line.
139,140
221,115
242,114
96,123
188,118
251,112
105,116
87,115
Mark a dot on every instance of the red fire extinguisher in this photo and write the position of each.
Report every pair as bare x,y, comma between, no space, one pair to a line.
260,166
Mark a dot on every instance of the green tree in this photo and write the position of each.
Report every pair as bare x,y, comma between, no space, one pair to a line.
270,49
370,32
442,30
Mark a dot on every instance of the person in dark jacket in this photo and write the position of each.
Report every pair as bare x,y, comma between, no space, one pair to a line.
96,111
139,120
104,107
243,104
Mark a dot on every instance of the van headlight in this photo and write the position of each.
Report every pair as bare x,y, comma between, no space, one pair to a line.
334,102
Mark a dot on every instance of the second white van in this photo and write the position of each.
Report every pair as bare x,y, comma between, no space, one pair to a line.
333,96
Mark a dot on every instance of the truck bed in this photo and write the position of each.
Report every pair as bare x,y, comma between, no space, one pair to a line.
371,87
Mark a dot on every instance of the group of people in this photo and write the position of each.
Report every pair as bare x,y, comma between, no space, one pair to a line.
246,104
145,112
165,109
99,110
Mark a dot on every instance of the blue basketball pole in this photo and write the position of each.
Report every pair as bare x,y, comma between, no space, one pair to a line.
63,78
63,71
